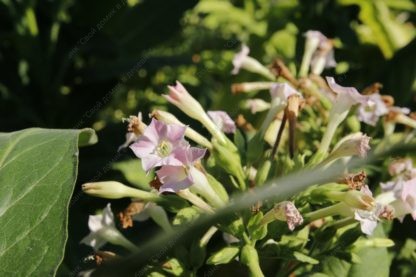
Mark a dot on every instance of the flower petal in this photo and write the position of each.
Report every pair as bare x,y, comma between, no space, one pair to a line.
223,121
173,178
239,58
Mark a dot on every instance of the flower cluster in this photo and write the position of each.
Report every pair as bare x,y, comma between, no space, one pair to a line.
306,121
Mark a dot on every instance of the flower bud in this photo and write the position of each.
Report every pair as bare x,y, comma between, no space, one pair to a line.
263,173
359,200
181,98
202,187
250,258
356,144
116,190
250,86
228,158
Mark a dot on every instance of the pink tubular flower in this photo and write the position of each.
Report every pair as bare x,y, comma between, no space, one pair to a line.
223,121
371,110
176,178
160,144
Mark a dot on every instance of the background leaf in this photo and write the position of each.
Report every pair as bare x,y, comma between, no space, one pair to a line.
38,169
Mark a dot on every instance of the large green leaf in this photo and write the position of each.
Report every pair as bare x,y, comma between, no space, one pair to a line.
38,169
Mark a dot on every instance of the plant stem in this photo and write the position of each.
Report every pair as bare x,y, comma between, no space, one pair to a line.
196,200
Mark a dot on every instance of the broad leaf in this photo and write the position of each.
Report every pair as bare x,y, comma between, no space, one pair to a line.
224,255
38,169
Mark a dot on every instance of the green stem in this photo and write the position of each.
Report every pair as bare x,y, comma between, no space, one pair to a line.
207,236
277,106
343,222
194,199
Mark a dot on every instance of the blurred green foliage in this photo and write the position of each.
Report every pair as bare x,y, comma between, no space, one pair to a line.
74,64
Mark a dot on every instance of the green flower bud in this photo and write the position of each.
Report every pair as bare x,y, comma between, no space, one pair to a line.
116,190
263,173
229,159
250,258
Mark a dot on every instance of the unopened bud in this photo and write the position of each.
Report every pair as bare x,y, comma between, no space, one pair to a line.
116,190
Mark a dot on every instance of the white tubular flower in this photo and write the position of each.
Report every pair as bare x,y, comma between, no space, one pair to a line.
345,99
323,57
103,230
243,61
370,111
369,219
362,200
314,39
356,144
280,93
